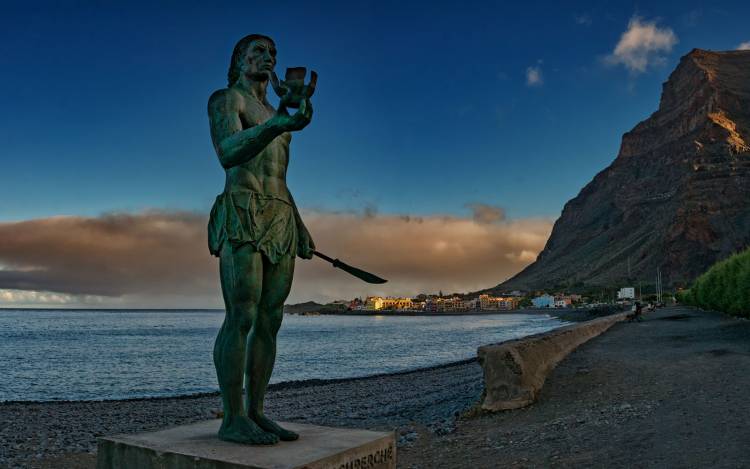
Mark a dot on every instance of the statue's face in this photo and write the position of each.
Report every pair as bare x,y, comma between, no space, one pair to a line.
260,58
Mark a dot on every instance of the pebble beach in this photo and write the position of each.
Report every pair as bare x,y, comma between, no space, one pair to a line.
63,434
50,434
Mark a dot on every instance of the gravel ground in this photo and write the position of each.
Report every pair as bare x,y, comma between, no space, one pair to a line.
63,434
671,391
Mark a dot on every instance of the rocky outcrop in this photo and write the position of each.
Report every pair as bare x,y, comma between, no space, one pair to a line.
677,197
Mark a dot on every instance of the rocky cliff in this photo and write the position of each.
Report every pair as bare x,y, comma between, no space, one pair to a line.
676,197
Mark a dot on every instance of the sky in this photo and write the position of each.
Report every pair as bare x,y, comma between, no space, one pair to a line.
445,141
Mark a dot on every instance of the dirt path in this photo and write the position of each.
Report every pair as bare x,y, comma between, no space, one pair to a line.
671,391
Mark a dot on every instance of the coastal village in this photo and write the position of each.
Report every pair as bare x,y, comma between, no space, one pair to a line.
457,303
454,303
437,304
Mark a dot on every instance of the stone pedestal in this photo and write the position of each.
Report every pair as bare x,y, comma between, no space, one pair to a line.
196,446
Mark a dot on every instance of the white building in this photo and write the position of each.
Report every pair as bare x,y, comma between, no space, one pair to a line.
627,293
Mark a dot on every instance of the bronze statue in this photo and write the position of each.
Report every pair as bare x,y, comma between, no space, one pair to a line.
255,229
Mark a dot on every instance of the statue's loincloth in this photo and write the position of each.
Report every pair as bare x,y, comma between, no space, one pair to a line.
246,217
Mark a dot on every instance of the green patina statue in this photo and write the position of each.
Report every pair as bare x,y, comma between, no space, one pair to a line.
256,231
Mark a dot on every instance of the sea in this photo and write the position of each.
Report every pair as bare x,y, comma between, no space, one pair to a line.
54,355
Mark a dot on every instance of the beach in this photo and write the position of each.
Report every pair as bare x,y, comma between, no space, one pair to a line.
38,434
666,392
429,398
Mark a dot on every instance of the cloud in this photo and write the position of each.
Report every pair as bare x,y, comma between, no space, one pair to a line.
153,254
24,298
583,19
744,46
642,45
419,254
534,75
160,259
483,213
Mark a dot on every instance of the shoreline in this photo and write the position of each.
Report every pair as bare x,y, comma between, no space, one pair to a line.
415,403
64,433
565,315
284,385
644,391
413,313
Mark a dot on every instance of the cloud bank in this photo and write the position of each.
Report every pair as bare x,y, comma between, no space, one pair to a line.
642,45
744,46
160,259
118,256
420,254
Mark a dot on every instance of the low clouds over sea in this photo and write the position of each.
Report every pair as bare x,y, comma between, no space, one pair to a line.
160,259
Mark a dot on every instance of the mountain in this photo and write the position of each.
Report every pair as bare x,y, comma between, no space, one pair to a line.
302,308
311,307
677,197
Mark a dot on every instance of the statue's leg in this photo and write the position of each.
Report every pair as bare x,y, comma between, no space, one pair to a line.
241,272
277,281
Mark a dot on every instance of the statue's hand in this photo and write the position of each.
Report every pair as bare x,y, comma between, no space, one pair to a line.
296,121
306,245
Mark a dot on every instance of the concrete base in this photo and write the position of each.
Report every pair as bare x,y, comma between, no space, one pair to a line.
196,446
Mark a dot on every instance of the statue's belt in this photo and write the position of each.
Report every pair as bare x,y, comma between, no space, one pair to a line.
247,195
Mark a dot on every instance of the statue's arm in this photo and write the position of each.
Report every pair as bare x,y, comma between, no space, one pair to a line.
233,145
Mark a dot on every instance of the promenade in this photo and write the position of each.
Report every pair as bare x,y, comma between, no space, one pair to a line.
671,391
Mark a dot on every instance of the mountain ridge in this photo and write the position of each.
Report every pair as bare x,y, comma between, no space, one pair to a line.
677,195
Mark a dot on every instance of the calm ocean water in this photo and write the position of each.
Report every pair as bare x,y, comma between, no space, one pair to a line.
87,354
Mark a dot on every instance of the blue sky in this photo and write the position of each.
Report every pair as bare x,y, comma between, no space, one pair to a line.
420,109
437,117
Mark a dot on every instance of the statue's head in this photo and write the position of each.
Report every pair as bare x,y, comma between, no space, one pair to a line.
254,56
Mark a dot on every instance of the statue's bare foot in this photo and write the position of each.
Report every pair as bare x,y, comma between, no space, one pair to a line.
272,427
240,429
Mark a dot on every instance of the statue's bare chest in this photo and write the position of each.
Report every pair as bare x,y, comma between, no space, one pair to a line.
255,113
274,158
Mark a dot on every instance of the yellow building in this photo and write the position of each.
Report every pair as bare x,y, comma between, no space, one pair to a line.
487,302
378,302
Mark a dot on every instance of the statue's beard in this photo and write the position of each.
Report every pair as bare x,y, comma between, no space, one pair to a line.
260,76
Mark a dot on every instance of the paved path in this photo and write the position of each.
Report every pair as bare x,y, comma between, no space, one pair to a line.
671,391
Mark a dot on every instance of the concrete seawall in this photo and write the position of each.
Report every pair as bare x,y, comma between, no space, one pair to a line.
514,371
